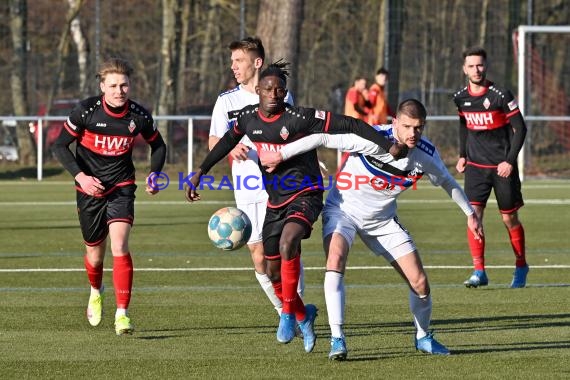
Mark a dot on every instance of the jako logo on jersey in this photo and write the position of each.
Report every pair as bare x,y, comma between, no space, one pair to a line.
257,132
132,126
284,133
101,125
479,119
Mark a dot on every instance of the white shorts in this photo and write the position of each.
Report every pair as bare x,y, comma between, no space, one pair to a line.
389,239
256,214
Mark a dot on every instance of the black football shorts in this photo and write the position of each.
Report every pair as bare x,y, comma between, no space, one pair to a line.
479,182
96,213
304,210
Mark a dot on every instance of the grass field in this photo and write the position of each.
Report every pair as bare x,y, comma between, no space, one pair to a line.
199,312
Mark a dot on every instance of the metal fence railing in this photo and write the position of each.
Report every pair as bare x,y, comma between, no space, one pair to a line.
545,153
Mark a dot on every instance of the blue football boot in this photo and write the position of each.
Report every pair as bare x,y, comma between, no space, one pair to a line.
429,345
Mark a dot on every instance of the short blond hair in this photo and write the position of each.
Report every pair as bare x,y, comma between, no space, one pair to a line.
114,66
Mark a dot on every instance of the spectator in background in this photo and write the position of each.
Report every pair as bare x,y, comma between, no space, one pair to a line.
356,104
379,107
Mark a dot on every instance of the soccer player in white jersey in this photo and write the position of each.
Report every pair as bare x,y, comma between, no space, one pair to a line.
247,56
368,208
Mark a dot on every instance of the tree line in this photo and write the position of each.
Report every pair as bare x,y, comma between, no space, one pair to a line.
50,48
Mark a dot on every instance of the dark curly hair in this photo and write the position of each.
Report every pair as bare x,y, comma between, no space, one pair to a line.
278,69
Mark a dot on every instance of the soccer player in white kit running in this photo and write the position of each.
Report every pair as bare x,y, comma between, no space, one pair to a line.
363,202
247,56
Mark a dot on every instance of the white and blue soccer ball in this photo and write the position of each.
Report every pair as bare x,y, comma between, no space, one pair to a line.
229,228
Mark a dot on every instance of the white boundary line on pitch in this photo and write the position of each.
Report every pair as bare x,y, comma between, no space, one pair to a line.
536,183
239,269
178,203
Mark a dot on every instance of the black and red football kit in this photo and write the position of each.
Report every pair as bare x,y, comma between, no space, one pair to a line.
104,139
295,188
491,131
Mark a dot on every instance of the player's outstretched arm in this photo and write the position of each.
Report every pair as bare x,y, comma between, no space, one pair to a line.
220,150
439,176
347,124
458,195
348,142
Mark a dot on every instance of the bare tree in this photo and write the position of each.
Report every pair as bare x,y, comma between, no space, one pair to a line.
62,50
184,28
169,59
82,47
18,85
484,18
278,26
317,39
380,58
210,30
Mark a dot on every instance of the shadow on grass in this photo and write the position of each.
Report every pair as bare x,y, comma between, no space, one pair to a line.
506,322
511,347
463,325
40,228
29,173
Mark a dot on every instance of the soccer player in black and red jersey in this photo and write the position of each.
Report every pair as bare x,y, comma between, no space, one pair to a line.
295,189
491,134
104,128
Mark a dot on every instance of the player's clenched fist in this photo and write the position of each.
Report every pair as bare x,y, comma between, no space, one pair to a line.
398,151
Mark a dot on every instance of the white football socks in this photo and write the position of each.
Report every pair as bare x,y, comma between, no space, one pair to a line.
96,292
334,297
267,287
120,312
301,284
421,306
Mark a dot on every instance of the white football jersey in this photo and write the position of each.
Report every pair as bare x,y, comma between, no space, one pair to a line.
368,185
246,175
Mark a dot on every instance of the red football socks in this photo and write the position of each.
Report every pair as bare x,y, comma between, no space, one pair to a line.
518,243
477,248
94,274
123,279
290,270
277,287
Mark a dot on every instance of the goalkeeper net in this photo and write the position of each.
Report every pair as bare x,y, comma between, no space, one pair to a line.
543,58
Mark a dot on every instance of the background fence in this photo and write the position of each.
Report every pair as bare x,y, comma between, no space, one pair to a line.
419,41
190,143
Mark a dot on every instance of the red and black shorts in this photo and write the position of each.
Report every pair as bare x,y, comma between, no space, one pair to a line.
96,213
303,210
478,184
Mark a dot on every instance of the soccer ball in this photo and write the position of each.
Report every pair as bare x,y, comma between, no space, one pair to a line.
229,228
